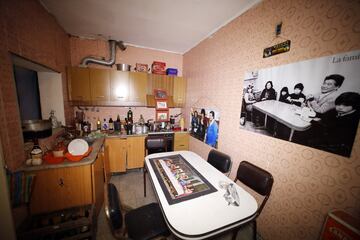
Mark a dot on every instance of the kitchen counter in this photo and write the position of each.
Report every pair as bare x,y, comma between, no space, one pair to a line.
85,161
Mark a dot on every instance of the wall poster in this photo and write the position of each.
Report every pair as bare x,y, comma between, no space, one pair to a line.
313,103
204,125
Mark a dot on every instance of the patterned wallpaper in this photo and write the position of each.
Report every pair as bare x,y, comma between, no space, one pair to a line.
308,182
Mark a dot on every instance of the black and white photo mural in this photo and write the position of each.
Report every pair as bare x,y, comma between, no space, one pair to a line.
314,103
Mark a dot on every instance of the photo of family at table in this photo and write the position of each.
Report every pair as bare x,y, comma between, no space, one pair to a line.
314,103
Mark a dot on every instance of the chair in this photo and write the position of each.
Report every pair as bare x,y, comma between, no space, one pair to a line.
142,223
220,161
260,181
153,144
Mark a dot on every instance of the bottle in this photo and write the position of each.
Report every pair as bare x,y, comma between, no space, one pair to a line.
53,119
98,124
130,115
111,124
105,125
117,124
141,120
182,124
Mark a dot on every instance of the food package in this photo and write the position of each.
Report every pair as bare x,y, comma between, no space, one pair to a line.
140,67
158,68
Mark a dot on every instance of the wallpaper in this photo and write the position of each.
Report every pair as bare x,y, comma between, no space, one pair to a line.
308,182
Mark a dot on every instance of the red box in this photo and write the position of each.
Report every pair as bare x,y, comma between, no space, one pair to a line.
339,225
158,68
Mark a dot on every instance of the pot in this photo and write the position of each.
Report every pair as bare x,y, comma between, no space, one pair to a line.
123,67
36,129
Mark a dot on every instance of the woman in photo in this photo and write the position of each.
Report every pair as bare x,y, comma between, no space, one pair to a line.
212,131
269,92
284,95
249,98
203,124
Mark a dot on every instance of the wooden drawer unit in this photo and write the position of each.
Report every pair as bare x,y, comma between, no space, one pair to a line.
135,152
181,141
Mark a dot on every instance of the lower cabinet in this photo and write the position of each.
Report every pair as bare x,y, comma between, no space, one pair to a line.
62,188
181,141
135,152
125,153
117,148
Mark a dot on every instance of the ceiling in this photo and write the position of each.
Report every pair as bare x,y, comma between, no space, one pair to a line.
168,25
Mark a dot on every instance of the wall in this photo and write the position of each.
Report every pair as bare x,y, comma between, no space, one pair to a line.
50,97
27,30
81,48
308,182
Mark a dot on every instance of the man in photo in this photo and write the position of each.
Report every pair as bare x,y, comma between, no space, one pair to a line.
212,130
325,101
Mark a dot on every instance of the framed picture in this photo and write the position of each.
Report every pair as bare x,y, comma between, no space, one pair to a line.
160,94
162,116
161,105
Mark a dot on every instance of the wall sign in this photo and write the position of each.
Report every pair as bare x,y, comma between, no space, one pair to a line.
277,49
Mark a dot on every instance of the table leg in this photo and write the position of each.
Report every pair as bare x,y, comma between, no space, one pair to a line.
265,120
291,134
145,181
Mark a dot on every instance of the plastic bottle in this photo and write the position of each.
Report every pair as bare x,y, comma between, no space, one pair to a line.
117,124
182,124
105,125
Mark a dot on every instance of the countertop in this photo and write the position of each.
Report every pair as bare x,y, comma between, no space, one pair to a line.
97,144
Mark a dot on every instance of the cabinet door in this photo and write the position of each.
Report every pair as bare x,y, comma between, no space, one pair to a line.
79,84
56,189
138,87
117,154
100,85
164,82
119,86
135,152
181,141
98,182
179,91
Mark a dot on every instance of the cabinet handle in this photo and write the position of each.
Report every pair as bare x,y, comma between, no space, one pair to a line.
61,182
119,97
79,97
100,96
182,145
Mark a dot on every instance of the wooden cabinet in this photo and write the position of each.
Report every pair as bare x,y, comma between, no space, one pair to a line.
79,84
181,141
138,87
179,91
117,154
61,188
119,86
99,85
164,82
135,152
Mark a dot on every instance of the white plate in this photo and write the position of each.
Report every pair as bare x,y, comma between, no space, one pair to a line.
78,147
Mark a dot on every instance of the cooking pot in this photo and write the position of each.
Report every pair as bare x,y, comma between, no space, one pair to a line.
123,67
36,128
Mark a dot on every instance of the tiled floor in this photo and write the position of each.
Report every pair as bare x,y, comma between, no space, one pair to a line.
131,191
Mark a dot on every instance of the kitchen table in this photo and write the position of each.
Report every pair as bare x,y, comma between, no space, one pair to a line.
283,113
205,213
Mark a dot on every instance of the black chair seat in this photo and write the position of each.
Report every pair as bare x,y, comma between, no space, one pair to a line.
146,222
142,223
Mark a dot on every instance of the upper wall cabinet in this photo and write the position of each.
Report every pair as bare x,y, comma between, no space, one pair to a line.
100,85
119,84
79,84
108,87
138,87
179,91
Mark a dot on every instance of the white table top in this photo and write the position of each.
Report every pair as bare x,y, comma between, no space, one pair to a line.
206,215
284,113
